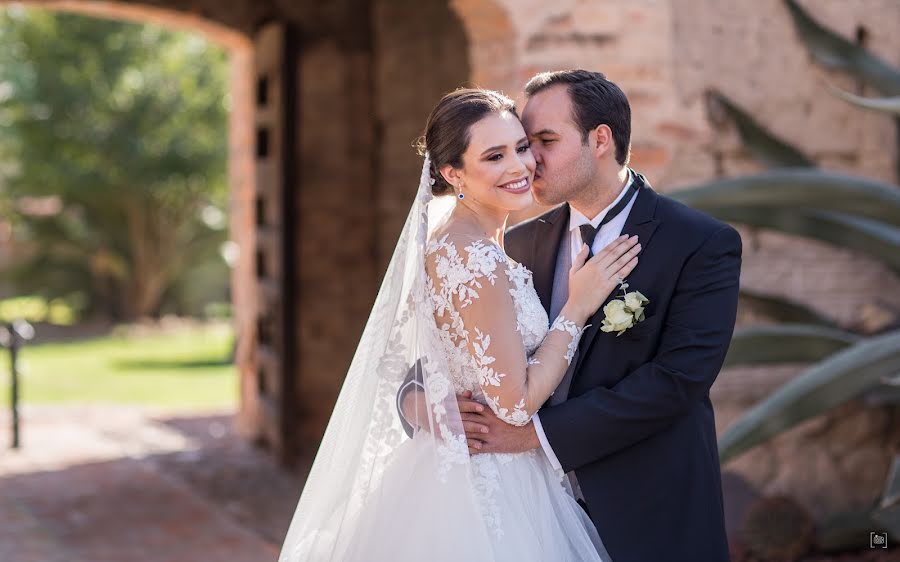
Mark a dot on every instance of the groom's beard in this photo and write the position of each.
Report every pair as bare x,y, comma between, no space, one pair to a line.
574,183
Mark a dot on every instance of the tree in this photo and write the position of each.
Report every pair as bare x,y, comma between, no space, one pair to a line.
112,156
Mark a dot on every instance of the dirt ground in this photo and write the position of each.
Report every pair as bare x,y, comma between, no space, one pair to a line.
116,484
125,484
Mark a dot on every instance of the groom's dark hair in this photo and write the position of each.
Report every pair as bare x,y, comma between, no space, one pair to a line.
595,101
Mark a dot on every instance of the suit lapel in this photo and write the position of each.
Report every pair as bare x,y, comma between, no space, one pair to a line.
640,222
548,234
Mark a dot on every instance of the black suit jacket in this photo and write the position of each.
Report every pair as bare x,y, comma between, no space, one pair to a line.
638,425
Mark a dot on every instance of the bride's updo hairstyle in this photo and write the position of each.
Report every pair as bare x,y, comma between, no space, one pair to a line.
447,131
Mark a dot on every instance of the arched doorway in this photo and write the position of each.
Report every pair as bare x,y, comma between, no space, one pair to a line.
360,102
326,103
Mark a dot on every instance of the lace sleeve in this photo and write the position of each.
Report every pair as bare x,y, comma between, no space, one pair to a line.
472,291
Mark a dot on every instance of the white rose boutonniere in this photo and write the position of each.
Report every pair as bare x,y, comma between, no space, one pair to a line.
621,314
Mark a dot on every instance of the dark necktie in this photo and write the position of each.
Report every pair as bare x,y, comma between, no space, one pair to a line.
588,232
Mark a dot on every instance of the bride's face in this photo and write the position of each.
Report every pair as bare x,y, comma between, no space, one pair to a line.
498,166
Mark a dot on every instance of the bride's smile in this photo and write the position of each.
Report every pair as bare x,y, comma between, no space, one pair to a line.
517,186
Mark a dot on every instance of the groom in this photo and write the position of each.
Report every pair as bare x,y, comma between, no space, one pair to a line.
631,422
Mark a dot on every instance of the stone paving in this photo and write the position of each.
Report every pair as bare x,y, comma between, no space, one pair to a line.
118,483
124,484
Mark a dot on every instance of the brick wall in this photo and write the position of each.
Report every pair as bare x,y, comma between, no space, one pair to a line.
361,109
421,54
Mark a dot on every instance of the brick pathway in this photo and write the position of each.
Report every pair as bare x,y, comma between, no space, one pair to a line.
117,484
120,484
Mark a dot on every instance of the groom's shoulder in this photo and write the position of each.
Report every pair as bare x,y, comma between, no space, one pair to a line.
526,228
690,222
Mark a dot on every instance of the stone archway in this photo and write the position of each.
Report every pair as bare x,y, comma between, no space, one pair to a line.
492,54
317,209
240,158
159,13
418,52
422,54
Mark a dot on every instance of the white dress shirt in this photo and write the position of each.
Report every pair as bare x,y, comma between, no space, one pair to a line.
608,232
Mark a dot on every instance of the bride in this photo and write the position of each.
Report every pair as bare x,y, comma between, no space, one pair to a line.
458,316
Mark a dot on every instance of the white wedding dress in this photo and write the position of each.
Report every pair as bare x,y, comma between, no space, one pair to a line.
465,312
529,511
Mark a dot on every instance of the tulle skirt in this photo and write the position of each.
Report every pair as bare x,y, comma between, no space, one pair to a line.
521,511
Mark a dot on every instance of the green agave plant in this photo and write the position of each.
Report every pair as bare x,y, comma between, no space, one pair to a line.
843,529
859,214
885,105
832,50
782,309
787,343
860,365
764,145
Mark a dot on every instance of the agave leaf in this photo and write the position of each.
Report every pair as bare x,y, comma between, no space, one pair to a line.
891,495
842,531
799,187
884,105
834,381
834,51
764,145
879,240
888,519
882,395
782,309
786,343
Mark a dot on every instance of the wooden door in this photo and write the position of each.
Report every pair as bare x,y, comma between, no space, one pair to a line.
275,325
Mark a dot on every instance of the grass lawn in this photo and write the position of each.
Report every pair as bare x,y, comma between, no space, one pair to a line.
182,368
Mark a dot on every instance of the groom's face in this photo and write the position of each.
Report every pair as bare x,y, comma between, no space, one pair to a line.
565,166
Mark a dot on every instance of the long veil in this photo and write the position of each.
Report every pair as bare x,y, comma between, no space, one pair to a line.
346,484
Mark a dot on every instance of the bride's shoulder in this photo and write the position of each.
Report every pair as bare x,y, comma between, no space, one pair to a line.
460,240
464,250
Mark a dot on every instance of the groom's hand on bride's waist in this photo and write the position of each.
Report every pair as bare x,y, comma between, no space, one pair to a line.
486,433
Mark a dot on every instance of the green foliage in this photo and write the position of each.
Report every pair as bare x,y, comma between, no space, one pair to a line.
857,213
801,188
834,51
782,310
826,385
841,531
765,146
36,309
184,367
885,105
112,156
786,343
851,212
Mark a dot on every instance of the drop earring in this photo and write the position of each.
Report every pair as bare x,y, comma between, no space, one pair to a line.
461,196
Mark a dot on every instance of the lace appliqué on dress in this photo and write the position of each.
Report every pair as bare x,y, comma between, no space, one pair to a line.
563,324
458,279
